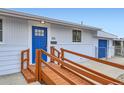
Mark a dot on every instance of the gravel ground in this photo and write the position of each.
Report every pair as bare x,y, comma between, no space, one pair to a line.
15,79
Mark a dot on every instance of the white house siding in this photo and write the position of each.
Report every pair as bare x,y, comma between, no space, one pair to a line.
63,36
15,36
105,34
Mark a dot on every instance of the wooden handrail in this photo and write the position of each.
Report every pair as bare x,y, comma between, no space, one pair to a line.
27,59
97,78
90,75
92,58
93,71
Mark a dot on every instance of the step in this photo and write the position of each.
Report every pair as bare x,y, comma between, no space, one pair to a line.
32,69
29,77
51,78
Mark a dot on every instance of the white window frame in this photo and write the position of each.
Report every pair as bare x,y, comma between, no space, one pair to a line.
3,19
1,42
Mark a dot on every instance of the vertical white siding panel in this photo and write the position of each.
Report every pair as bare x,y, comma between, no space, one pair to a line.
15,39
16,31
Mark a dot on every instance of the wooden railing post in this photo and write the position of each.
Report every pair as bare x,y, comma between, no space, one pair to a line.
40,65
62,54
21,61
37,59
51,53
28,57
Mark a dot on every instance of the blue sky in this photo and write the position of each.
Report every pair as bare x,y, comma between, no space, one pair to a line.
110,20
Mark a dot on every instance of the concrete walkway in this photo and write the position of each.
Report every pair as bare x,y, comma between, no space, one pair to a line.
15,79
119,60
106,69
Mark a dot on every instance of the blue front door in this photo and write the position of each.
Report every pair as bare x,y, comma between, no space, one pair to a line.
39,41
102,48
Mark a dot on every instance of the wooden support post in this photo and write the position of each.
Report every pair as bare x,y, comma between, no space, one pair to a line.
62,54
58,57
40,66
51,51
28,57
37,59
21,61
53,54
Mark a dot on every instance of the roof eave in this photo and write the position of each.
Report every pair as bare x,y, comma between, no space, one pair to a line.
46,19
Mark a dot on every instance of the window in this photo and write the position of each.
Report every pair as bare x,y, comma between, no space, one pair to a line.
1,30
76,36
39,32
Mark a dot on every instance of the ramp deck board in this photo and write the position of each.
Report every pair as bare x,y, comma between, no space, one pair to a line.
28,76
50,77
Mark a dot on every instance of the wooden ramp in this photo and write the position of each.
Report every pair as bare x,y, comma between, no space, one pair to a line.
59,80
62,71
51,78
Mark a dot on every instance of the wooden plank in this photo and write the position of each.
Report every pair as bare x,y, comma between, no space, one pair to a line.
50,77
95,72
56,71
75,78
46,79
32,69
94,59
28,76
89,74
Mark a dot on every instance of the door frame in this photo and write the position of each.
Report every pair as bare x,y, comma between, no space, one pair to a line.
30,38
106,47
